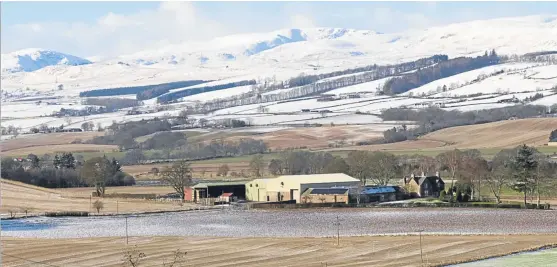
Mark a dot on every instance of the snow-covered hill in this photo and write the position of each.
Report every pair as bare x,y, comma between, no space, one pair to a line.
285,52
33,59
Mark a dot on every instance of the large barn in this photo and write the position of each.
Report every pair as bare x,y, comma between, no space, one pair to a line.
291,187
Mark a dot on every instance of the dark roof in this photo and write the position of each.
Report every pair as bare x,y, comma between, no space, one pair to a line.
432,180
380,190
328,191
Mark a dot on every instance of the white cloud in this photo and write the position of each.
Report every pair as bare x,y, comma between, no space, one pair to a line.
301,21
116,34
386,17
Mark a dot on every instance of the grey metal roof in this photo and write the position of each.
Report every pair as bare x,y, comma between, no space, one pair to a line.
328,191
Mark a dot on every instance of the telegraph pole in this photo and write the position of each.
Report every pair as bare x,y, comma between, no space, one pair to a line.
421,250
127,231
337,223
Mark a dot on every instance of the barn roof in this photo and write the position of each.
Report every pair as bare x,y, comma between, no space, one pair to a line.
319,178
206,185
326,191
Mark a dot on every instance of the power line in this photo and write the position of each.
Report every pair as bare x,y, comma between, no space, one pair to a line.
39,262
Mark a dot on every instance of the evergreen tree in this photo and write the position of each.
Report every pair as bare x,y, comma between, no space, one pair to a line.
523,167
67,161
57,162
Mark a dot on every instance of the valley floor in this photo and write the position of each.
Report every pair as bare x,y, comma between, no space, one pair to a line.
209,251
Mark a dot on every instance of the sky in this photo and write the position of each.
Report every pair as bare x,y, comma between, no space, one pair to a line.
106,29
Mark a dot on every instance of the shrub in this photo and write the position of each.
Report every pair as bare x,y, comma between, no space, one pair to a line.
442,196
67,213
458,196
465,198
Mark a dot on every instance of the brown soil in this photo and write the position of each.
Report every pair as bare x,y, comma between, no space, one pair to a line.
502,134
387,251
19,197
46,139
53,149
316,137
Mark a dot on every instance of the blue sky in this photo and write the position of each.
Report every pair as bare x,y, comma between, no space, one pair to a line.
111,28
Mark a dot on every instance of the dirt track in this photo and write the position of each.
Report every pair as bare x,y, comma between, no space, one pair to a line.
312,252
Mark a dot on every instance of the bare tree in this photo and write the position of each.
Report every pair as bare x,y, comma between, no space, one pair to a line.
223,170
322,199
450,161
68,120
133,257
257,165
98,205
178,258
178,176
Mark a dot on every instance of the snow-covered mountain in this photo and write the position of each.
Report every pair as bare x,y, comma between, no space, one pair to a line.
33,59
284,53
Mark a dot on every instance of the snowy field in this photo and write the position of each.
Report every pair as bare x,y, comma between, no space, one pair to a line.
302,223
26,110
459,79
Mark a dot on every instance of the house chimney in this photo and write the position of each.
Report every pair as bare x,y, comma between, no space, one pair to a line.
412,176
423,174
437,174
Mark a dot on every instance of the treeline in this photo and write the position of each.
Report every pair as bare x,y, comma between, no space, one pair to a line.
64,171
199,151
112,104
141,92
193,91
432,119
123,134
318,86
420,63
441,70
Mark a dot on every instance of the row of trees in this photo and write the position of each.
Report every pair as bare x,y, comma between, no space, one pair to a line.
432,119
112,104
65,171
142,92
198,90
124,134
441,70
197,151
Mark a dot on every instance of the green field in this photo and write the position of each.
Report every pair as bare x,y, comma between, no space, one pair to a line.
528,259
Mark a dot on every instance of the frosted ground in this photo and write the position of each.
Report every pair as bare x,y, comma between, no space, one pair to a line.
283,223
540,258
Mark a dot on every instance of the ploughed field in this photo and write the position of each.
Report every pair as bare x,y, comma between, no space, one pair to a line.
290,223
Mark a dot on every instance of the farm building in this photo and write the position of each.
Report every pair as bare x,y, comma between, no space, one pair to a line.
381,194
325,195
214,190
424,186
256,190
291,187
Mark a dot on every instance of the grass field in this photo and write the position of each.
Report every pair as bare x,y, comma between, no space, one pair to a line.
388,251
